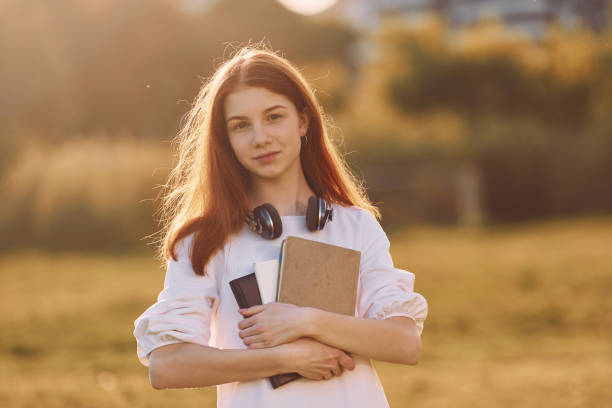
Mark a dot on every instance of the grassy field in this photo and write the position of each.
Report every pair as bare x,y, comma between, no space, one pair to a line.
518,316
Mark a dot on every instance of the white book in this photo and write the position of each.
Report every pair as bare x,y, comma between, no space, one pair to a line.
266,273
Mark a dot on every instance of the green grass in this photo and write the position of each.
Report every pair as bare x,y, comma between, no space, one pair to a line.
518,316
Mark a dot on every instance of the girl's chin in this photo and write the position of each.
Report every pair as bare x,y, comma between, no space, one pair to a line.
266,175
272,171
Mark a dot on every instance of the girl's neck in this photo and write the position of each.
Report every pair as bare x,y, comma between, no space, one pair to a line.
288,196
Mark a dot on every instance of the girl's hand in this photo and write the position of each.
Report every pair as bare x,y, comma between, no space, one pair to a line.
272,324
316,361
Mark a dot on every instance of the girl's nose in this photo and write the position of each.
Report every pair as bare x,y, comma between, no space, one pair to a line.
260,136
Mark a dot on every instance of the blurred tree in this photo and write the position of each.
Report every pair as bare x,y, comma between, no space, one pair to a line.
532,116
82,66
486,84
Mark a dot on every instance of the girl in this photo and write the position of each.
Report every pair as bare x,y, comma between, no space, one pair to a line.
255,147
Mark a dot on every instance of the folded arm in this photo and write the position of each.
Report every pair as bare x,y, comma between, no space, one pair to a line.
395,339
190,365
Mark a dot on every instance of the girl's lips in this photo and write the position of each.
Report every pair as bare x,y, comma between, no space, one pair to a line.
266,158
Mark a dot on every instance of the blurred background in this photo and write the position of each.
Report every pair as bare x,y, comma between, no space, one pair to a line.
482,129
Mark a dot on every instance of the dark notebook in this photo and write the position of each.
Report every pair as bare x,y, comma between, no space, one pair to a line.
247,294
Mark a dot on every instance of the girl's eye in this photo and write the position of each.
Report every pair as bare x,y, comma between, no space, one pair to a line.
274,116
239,125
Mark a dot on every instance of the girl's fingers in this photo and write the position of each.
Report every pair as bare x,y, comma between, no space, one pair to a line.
258,345
245,323
337,370
346,361
249,331
257,338
251,310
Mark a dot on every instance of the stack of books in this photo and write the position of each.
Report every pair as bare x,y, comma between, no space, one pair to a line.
308,273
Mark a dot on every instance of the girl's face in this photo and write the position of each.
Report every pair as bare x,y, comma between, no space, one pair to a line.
264,130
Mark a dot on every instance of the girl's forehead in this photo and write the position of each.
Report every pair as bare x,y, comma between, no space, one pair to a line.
253,100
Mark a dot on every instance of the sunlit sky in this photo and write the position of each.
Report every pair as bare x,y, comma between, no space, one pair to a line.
307,6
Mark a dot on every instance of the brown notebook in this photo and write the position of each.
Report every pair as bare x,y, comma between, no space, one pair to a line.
319,275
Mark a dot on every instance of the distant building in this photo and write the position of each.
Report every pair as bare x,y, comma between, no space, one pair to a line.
530,16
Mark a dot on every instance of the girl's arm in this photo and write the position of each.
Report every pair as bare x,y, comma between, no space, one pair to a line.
190,365
395,339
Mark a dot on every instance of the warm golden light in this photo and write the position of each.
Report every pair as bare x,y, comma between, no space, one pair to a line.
308,7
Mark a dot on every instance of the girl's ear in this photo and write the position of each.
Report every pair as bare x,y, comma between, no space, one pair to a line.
304,121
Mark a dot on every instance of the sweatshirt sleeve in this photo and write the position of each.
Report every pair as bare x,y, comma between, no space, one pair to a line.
385,291
184,307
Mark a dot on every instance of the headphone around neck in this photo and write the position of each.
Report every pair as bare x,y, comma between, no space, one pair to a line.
266,221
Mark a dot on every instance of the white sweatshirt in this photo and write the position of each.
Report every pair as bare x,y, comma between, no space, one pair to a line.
203,310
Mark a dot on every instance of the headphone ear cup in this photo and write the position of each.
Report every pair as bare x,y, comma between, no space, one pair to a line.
312,213
271,225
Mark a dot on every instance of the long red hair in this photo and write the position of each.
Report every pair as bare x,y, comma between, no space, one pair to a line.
206,193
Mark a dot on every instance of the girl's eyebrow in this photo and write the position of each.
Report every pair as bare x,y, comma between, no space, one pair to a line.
265,111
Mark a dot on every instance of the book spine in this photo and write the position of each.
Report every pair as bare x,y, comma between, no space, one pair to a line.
281,259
